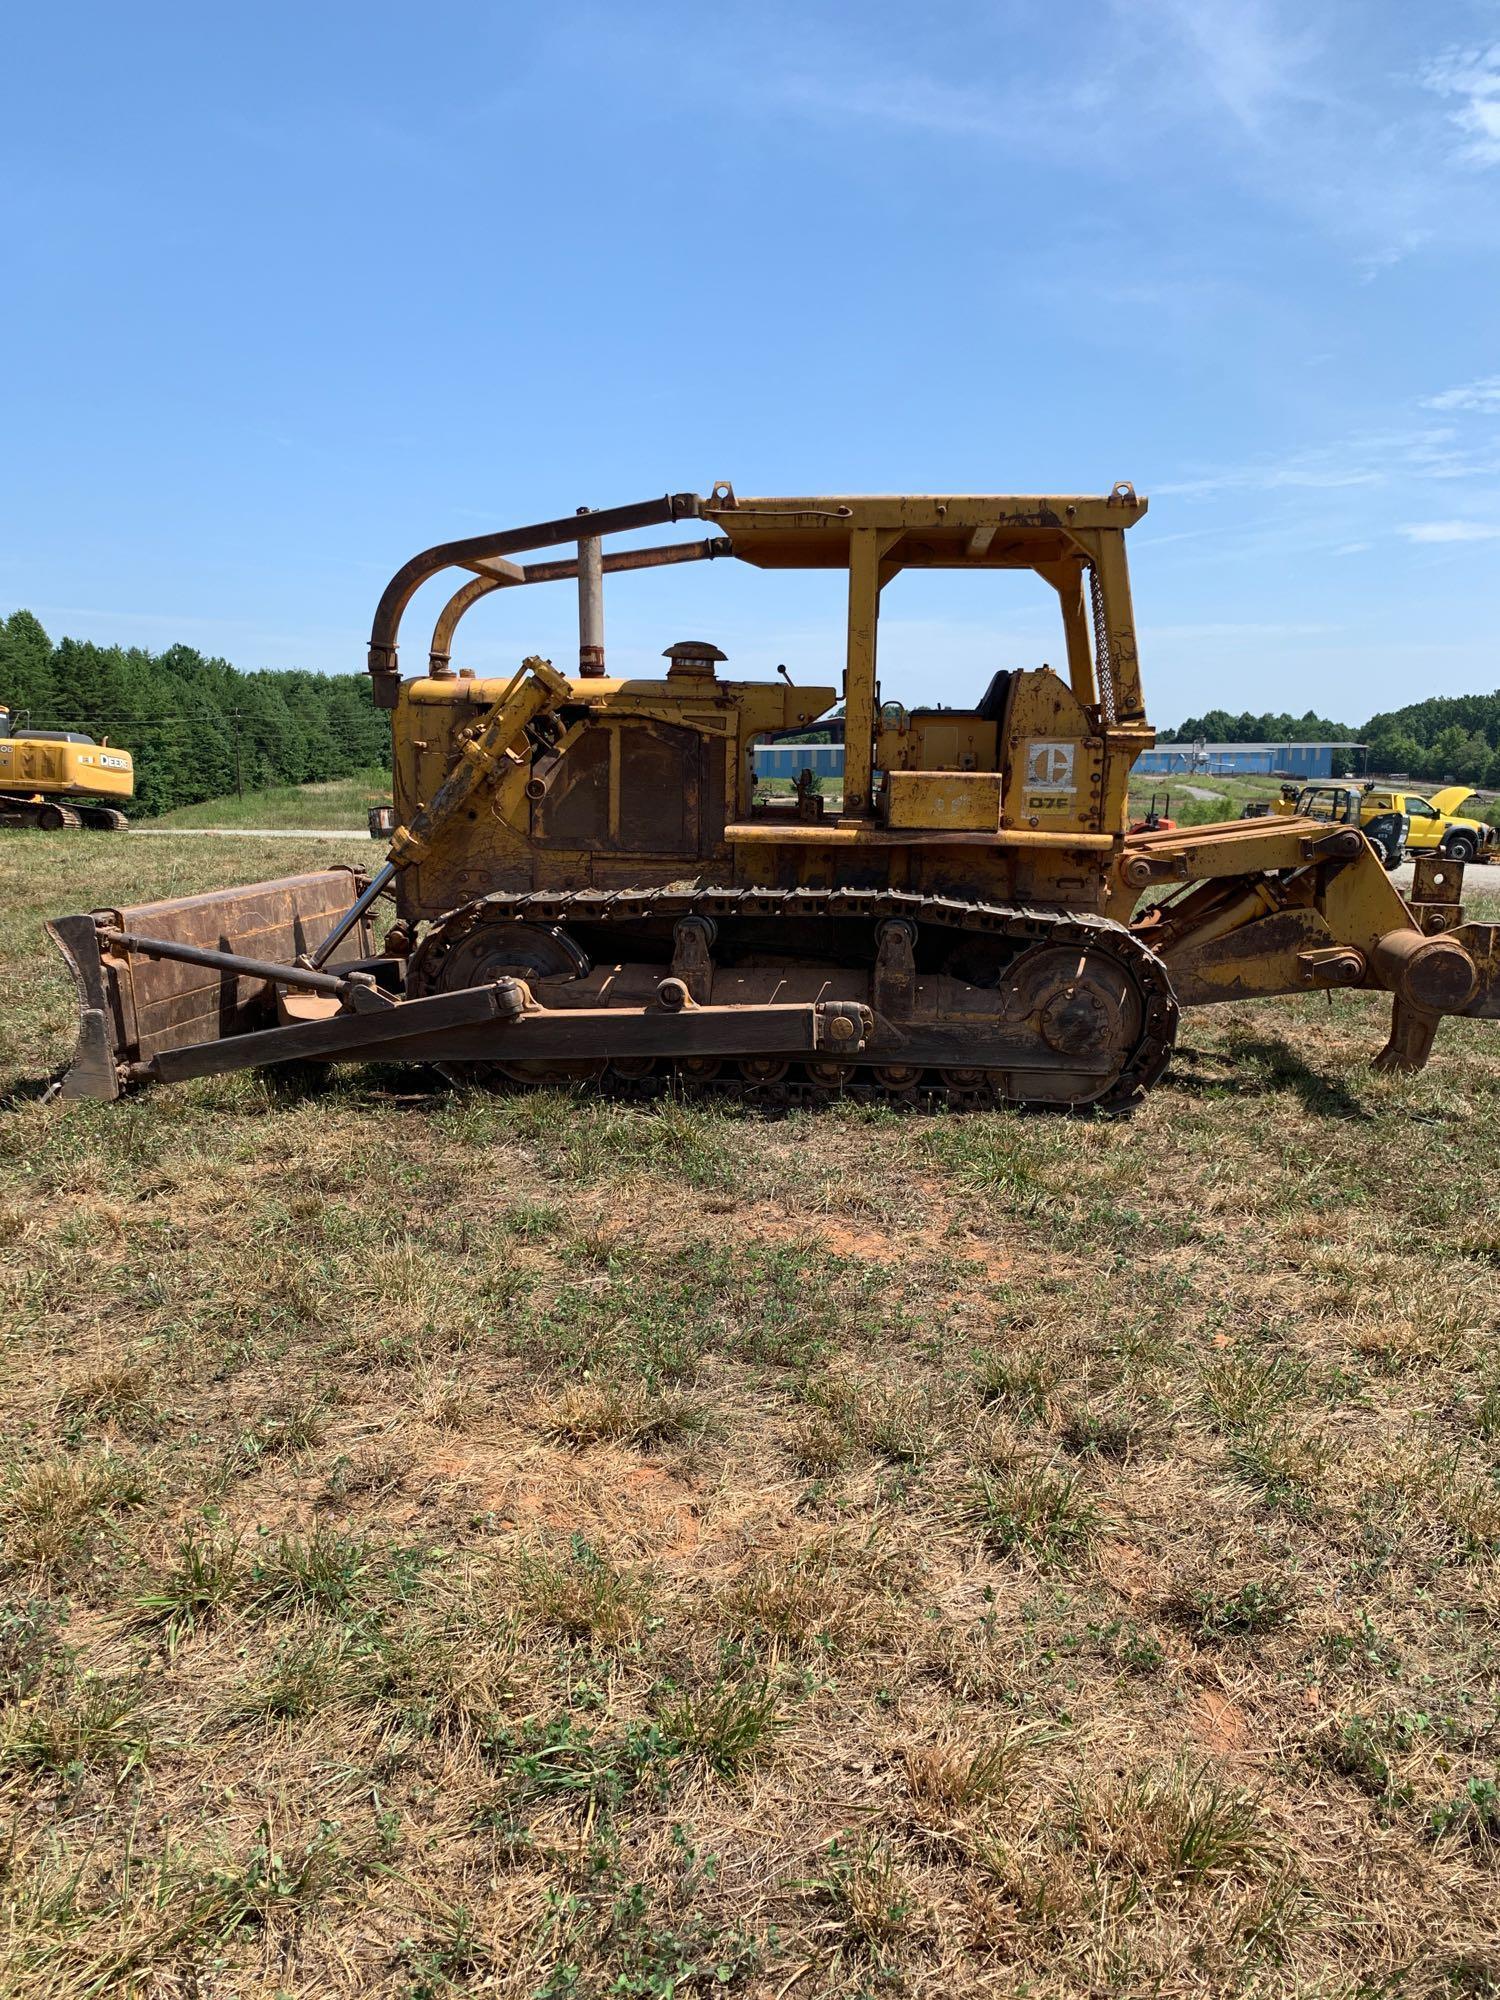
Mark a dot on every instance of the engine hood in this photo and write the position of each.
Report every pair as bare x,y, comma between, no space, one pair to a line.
1450,799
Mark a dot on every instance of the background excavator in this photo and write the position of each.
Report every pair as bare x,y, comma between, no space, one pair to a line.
587,885
55,778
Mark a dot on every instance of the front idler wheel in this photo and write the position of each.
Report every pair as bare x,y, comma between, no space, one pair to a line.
460,954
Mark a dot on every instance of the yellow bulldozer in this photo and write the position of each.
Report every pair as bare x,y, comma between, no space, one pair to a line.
56,778
588,884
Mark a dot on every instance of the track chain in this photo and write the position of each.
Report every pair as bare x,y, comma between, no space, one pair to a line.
1027,923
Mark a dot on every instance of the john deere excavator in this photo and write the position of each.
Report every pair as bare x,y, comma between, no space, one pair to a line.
56,778
587,885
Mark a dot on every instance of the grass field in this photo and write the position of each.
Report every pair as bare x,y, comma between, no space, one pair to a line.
339,802
537,1547
1195,799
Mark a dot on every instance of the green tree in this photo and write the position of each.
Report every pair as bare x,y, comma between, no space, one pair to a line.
1446,753
25,663
1394,751
1219,726
1474,759
194,725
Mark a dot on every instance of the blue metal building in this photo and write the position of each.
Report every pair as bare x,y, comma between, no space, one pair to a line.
790,760
1224,760
1229,760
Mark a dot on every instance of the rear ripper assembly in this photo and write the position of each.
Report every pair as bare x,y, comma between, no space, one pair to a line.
589,884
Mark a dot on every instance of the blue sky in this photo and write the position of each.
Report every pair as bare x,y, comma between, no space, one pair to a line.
293,291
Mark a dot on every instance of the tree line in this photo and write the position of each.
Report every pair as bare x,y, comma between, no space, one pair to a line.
196,728
1219,726
1453,737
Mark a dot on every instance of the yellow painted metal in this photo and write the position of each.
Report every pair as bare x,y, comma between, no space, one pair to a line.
61,770
943,801
1284,905
1118,677
940,740
1041,777
886,841
505,845
1235,847
484,755
1067,580
1053,759
938,531
876,536
1022,799
1450,798
867,548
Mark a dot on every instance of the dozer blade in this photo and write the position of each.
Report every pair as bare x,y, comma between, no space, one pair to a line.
209,984
133,1008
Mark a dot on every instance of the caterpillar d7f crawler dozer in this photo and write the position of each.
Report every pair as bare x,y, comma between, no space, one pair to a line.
588,886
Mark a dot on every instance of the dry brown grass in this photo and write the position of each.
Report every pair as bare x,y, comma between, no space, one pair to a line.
535,1547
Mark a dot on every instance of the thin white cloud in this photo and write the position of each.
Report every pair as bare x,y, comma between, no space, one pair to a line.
1269,477
1481,395
1243,63
1254,93
1435,451
1451,531
1235,629
1013,118
917,101
1472,77
1243,58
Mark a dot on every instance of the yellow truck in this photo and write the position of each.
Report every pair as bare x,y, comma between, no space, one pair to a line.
1434,824
1396,823
1340,803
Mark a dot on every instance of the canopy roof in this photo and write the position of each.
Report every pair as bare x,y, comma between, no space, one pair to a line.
871,535
932,531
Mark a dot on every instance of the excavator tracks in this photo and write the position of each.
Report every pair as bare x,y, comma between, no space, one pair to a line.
60,815
447,954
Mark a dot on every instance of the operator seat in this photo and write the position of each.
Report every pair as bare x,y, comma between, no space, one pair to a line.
992,707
